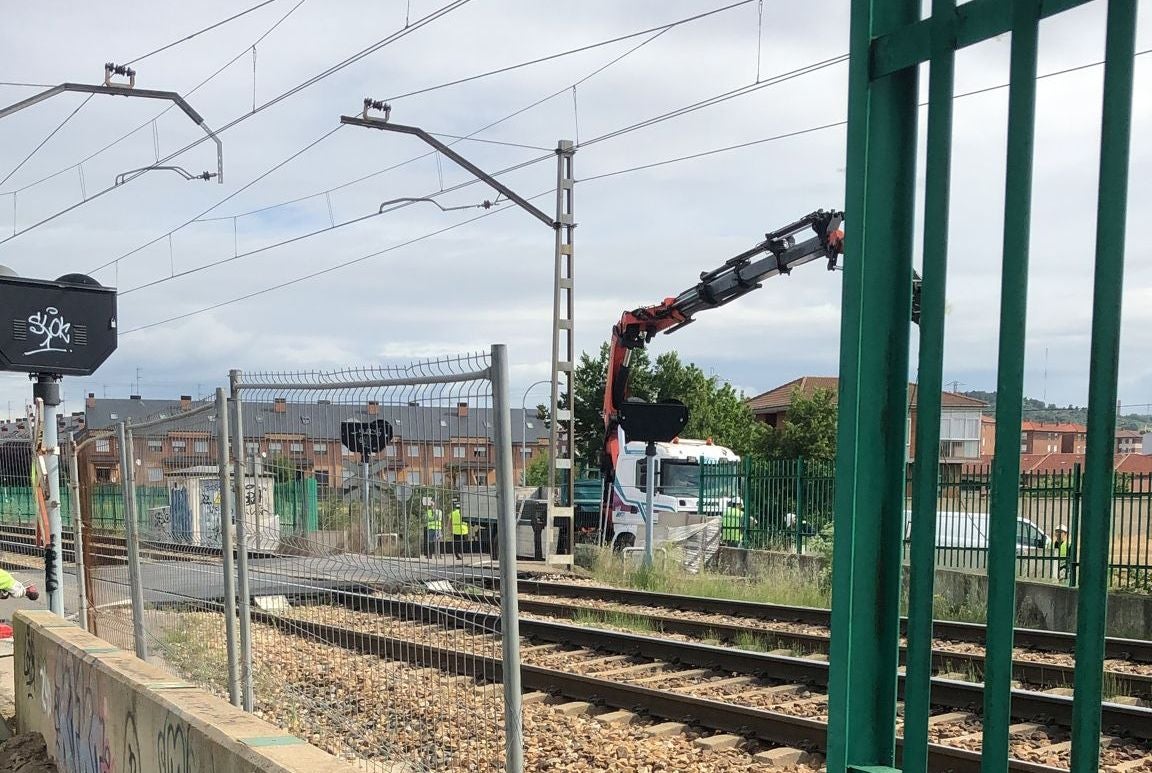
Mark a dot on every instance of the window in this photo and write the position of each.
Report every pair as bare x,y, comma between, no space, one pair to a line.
457,452
155,474
103,474
413,478
200,446
438,451
104,445
390,451
438,478
391,476
275,445
1028,536
179,445
252,448
153,445
321,479
480,451
296,448
413,450
320,449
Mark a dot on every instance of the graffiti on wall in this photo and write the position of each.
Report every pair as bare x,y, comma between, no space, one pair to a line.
67,692
174,752
80,718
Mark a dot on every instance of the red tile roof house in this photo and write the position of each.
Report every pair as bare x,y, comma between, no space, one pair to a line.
960,418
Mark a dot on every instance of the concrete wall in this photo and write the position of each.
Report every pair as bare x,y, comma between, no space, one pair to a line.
101,710
1043,605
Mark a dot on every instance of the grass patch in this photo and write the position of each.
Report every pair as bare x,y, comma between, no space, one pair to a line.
638,623
788,586
754,642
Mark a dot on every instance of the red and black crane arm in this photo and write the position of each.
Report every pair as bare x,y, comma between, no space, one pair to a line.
779,253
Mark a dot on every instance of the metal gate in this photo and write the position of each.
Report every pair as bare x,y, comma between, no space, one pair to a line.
889,43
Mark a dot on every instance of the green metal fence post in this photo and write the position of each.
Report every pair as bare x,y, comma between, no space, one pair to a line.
930,375
800,506
873,396
1074,524
1108,284
1004,503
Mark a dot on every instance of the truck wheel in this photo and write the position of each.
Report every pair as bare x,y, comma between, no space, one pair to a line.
625,540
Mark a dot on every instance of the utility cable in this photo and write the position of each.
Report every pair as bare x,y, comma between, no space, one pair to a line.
44,141
469,136
237,192
328,270
210,27
571,51
428,19
363,258
144,125
822,127
333,227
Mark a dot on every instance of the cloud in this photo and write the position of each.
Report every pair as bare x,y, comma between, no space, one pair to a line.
642,236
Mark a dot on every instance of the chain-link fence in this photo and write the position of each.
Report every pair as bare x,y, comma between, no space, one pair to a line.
375,530
325,549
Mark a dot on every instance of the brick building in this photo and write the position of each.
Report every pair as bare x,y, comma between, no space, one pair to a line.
960,416
431,445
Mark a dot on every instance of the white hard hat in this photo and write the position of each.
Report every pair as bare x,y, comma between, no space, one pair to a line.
1062,528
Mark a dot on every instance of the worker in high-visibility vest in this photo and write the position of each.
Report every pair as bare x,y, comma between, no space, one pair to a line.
459,530
433,526
1060,543
733,522
11,588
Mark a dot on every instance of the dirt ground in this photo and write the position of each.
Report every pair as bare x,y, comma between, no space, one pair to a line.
25,754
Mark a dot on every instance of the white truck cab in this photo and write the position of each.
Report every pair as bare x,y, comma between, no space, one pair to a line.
677,487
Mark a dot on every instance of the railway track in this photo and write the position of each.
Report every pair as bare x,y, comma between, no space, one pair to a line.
1134,650
774,698
106,548
1031,668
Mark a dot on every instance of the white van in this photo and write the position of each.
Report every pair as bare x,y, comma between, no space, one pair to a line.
970,530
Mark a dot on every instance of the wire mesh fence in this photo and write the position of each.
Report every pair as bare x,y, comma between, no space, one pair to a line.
373,524
784,504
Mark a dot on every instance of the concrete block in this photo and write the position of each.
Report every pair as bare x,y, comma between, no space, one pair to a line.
778,758
573,708
665,729
718,742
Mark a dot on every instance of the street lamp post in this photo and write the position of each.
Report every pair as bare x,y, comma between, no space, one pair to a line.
524,429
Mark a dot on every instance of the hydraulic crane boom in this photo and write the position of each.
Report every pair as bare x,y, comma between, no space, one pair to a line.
779,253
738,276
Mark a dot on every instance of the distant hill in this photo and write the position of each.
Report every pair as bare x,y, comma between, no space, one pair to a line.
1038,410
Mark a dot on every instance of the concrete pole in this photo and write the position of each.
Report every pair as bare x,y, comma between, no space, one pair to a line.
227,515
506,533
47,390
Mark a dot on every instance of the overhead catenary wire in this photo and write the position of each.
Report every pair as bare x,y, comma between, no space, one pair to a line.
237,192
199,32
328,270
152,120
569,52
469,136
419,24
334,226
362,258
44,141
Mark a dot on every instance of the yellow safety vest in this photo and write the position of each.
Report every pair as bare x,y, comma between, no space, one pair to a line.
433,523
733,523
458,525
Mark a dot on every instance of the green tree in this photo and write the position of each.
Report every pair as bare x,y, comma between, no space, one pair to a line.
536,473
715,409
808,429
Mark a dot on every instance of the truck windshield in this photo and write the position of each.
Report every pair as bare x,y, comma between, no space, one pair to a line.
679,478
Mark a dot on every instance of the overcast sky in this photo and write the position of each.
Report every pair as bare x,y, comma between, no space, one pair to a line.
642,236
